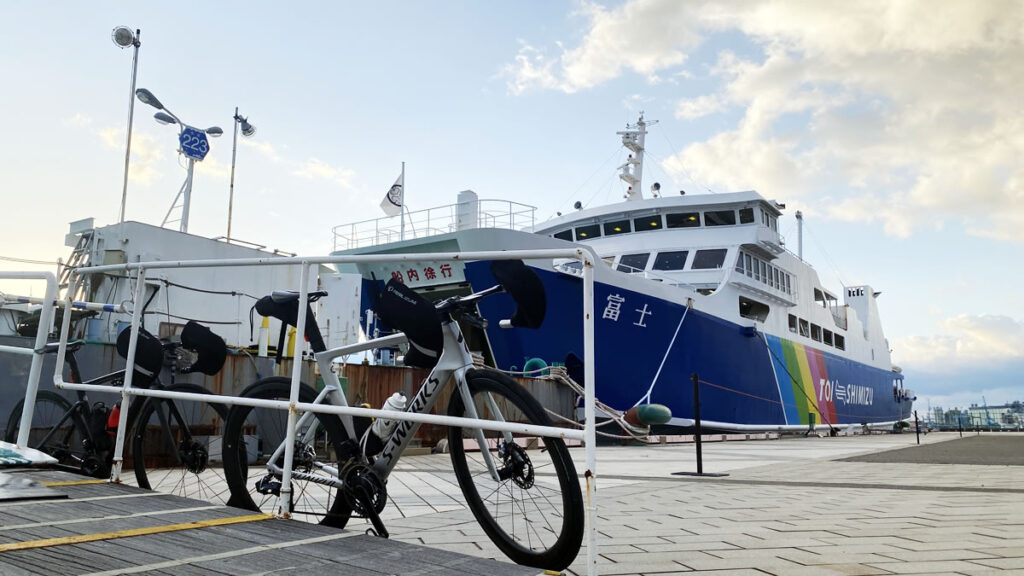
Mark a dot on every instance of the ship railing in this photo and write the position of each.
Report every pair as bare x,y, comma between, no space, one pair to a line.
308,267
483,213
575,268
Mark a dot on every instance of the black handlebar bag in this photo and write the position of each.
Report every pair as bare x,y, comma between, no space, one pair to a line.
403,308
149,356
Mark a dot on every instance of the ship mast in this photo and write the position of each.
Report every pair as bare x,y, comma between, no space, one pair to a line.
633,169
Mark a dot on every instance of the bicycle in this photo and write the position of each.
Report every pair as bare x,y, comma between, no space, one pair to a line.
167,451
524,492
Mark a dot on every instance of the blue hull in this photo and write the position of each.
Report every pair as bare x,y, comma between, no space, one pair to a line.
649,348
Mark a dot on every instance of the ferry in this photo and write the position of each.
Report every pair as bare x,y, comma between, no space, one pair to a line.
690,290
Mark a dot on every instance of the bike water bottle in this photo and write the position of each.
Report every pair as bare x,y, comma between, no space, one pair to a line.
383,427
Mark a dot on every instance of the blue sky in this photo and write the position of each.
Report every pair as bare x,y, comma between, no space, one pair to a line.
896,127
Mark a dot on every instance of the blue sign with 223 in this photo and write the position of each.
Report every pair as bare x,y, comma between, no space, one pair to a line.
194,143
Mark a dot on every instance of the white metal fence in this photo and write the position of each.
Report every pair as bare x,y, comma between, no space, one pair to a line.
140,270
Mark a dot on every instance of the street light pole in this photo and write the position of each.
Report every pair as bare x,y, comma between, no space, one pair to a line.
247,130
123,37
194,146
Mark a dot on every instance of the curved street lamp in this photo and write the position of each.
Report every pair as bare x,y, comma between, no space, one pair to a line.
247,131
124,37
185,131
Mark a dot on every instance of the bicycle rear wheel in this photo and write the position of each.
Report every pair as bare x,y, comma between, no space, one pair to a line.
533,510
251,435
175,446
56,430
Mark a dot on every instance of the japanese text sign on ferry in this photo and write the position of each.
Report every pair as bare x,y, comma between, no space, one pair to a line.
419,274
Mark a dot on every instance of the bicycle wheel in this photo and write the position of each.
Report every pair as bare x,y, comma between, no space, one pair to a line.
175,446
251,435
533,512
55,429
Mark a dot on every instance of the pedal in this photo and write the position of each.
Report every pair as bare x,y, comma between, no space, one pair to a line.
268,485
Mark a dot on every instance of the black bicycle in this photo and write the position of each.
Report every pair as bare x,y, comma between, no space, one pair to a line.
168,442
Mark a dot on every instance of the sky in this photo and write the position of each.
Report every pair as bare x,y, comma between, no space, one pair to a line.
896,127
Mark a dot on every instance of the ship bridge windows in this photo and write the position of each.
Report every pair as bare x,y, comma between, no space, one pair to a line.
753,309
746,215
792,324
720,218
588,232
652,222
633,262
670,260
616,227
682,220
563,235
815,332
840,341
708,259
769,220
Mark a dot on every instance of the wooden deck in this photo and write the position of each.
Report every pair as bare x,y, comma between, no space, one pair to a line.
75,525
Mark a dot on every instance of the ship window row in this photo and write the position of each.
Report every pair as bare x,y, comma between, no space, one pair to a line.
671,220
707,259
764,272
816,333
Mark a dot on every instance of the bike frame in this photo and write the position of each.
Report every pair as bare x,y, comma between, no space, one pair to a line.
452,365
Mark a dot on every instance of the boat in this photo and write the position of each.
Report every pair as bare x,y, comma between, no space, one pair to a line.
691,290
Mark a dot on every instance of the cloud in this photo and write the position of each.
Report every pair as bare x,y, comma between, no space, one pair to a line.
914,102
962,341
644,37
315,169
145,154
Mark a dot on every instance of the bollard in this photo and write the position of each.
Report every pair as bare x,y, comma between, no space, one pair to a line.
698,432
696,422
917,426
960,426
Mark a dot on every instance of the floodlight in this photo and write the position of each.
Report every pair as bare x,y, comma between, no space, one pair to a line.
123,36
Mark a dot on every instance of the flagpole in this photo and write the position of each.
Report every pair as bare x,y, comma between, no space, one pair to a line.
401,232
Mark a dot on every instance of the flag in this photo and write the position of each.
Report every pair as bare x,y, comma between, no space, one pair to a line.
392,203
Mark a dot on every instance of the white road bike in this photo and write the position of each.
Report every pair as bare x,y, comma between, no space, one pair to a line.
523,490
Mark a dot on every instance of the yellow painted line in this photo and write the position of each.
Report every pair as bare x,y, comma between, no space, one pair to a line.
82,538
73,483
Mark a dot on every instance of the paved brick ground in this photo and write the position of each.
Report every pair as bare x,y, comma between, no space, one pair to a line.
787,507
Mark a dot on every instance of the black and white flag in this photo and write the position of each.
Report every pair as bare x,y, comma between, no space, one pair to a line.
392,203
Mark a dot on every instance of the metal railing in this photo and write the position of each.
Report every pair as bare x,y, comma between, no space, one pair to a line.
140,269
433,222
45,319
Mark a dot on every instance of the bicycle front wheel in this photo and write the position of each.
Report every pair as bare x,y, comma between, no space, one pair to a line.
252,435
526,495
175,446
56,430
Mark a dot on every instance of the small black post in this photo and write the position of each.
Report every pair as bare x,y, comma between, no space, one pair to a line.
696,422
917,426
960,424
